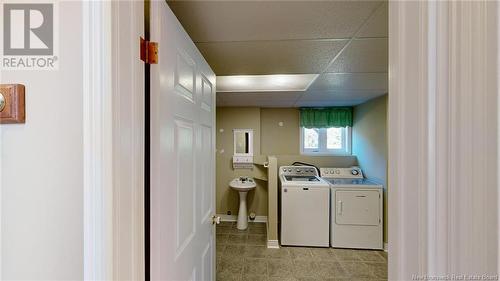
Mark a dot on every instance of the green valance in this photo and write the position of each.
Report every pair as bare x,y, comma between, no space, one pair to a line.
326,117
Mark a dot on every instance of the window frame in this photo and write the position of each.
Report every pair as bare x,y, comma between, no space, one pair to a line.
322,143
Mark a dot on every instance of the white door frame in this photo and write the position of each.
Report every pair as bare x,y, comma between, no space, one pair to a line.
128,140
98,141
113,101
443,125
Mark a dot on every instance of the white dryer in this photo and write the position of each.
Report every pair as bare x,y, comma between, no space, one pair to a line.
357,209
305,207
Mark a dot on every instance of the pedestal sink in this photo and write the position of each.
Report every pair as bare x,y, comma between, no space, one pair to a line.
243,185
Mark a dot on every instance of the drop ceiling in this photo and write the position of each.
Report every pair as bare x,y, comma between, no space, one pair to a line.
345,43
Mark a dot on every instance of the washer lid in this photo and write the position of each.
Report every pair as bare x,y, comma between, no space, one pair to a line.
301,178
356,182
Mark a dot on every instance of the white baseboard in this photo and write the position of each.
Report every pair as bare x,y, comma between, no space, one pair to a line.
386,247
235,218
273,244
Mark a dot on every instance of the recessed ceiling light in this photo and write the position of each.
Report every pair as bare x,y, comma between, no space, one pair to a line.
264,83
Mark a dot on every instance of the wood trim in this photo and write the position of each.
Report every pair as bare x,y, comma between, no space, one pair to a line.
14,110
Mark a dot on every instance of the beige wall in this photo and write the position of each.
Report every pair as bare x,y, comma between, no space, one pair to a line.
369,143
227,199
284,141
277,139
269,139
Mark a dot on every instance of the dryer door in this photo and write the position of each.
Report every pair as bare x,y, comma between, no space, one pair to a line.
357,207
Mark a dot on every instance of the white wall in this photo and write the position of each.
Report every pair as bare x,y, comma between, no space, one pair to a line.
41,167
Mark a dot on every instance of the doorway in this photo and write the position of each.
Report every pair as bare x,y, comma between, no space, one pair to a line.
272,60
422,113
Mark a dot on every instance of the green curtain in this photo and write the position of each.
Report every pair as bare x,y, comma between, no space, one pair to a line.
326,117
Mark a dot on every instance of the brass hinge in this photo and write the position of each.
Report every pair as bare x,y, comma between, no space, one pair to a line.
149,51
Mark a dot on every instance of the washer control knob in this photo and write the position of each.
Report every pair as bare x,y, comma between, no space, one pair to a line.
354,172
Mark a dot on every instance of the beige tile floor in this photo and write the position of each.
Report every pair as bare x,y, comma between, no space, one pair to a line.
243,255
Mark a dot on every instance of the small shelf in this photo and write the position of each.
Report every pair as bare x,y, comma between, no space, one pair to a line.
260,160
260,178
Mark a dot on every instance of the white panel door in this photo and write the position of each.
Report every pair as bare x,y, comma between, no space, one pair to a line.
182,154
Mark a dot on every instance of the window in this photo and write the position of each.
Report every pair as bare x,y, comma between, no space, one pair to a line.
325,141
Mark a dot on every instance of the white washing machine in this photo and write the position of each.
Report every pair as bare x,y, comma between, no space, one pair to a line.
305,207
357,209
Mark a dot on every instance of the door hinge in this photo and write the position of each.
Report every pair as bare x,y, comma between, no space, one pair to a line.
149,51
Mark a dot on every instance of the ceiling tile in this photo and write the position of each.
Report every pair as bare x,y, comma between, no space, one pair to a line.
270,57
378,25
363,55
254,103
335,99
208,21
350,81
296,99
340,95
350,102
293,37
283,96
285,104
260,99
